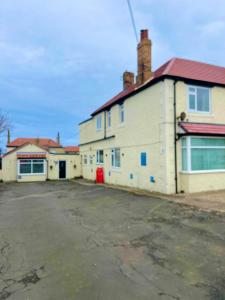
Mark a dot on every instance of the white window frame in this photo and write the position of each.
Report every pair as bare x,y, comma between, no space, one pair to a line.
85,159
32,163
189,147
98,162
113,155
196,111
91,159
109,118
121,113
99,122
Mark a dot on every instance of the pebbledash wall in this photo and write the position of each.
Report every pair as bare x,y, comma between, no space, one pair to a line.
149,127
10,166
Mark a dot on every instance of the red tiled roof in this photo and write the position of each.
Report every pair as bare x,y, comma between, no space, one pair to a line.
72,149
203,128
176,67
42,142
31,155
194,70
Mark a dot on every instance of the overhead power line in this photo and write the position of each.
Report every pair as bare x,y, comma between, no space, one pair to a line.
132,19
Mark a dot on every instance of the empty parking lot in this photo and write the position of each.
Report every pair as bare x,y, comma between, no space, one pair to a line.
65,240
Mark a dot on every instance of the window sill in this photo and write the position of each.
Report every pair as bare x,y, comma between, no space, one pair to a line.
32,174
202,172
114,169
200,114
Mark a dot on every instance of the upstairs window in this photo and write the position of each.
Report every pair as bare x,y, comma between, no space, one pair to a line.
99,122
198,99
85,160
100,157
109,118
121,116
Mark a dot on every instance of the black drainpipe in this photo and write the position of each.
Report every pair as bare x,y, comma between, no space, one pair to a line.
104,124
175,132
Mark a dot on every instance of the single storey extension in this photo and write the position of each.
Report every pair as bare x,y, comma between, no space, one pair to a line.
39,159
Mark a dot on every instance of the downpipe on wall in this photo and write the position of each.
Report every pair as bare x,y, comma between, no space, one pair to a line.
175,133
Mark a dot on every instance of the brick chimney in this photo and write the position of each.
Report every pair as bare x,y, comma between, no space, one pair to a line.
128,79
144,53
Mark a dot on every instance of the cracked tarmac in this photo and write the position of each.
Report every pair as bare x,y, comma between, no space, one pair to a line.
66,240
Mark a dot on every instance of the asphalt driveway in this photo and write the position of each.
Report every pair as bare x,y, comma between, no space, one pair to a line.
65,240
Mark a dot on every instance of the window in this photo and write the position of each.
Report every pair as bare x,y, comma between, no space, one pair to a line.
121,113
203,154
99,122
0,163
143,159
91,159
198,99
85,160
100,157
115,157
31,166
109,118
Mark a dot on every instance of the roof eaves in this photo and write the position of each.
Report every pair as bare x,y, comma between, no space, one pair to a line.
89,119
134,92
20,147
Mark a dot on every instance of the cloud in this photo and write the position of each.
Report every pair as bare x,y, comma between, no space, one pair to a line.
59,60
213,29
15,54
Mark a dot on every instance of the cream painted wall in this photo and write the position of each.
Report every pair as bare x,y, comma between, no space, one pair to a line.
202,182
73,166
149,127
193,182
9,164
142,131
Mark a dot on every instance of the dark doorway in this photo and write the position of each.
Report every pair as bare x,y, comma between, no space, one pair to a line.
62,169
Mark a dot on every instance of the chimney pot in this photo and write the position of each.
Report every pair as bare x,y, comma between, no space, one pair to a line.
144,34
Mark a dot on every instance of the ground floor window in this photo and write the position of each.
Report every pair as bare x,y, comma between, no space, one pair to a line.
31,166
115,157
100,157
203,154
85,160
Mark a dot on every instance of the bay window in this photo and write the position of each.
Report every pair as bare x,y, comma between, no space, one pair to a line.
115,158
203,154
198,99
31,166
